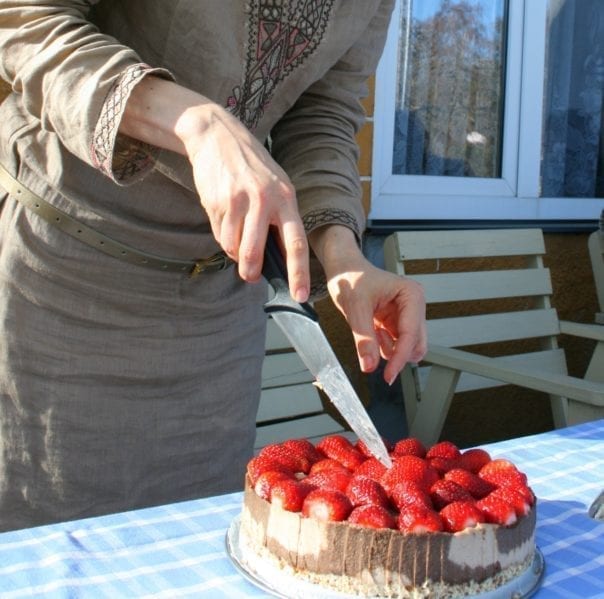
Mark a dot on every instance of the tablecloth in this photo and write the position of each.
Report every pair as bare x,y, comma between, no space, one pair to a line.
178,550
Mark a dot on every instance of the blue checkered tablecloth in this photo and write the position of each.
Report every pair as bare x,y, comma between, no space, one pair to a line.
179,550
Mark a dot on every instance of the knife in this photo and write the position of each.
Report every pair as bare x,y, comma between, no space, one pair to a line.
300,324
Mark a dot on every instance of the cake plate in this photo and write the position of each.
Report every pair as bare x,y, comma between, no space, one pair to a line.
278,582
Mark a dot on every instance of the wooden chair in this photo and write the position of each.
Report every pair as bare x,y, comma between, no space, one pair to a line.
487,292
595,245
290,404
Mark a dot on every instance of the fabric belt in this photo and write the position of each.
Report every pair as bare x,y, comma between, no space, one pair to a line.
105,244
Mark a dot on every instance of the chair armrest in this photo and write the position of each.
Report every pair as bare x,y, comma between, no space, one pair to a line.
548,382
581,329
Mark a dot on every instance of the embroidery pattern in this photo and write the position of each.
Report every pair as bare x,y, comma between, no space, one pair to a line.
117,155
282,34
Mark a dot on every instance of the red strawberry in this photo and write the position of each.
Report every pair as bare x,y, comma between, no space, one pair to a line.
505,478
459,515
259,464
476,486
362,447
419,520
409,446
474,459
445,491
442,465
326,505
290,494
267,480
497,510
282,455
444,449
407,493
338,447
514,498
328,464
409,467
373,516
305,450
363,491
497,465
371,468
329,479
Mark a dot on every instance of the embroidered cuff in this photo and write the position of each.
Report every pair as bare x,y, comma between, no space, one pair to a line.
120,157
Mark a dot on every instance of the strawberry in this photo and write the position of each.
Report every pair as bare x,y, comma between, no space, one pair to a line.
371,468
497,465
476,486
330,479
338,447
260,463
267,480
282,455
409,446
362,447
459,515
305,451
363,490
497,510
444,449
407,493
290,494
505,478
409,467
373,516
328,464
442,465
445,491
419,520
516,499
326,505
474,459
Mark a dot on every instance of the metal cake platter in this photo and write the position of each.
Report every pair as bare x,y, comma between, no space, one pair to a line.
268,577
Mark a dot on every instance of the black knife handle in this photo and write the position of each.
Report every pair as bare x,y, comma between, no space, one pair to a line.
275,272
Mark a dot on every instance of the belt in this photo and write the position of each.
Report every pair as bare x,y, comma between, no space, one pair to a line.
105,244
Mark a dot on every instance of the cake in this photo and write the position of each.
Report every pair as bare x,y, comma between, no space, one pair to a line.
440,522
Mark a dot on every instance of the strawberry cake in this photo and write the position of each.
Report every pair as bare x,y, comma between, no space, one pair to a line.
440,522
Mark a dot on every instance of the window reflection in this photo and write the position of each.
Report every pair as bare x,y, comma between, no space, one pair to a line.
449,105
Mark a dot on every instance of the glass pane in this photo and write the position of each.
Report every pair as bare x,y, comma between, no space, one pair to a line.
573,141
449,105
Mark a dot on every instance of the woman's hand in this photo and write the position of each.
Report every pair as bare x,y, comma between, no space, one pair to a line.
242,189
385,312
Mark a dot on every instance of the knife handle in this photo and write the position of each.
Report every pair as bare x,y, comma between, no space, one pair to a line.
275,272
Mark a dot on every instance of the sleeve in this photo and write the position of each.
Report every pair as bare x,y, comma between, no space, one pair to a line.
75,81
315,141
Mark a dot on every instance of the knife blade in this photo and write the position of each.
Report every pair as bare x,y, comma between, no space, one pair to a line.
300,324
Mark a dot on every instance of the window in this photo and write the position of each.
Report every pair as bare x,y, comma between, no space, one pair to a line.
490,110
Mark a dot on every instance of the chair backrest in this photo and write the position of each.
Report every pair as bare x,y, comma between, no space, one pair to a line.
290,404
487,291
596,253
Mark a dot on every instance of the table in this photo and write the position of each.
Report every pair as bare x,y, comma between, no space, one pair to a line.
178,550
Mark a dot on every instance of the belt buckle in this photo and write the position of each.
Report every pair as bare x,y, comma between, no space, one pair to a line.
218,261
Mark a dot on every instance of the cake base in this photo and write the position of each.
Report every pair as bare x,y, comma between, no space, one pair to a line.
267,574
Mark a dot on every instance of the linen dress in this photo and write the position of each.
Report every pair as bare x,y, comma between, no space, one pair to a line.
123,386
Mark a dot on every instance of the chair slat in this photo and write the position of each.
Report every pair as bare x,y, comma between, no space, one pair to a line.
275,339
412,245
312,427
447,287
487,328
288,402
286,369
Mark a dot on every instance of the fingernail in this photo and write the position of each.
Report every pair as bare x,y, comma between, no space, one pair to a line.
391,381
366,363
301,294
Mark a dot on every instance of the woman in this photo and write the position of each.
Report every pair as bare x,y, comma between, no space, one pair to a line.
144,141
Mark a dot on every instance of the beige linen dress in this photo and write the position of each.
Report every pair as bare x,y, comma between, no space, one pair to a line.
122,386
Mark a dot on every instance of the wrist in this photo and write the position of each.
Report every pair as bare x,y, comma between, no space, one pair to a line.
336,248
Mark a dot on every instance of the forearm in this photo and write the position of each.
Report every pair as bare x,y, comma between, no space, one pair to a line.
336,248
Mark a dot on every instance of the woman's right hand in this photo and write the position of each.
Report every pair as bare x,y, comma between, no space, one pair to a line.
243,190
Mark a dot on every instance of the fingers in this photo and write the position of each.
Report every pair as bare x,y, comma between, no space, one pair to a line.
295,246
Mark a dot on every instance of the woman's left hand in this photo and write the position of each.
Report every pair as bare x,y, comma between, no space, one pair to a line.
385,312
